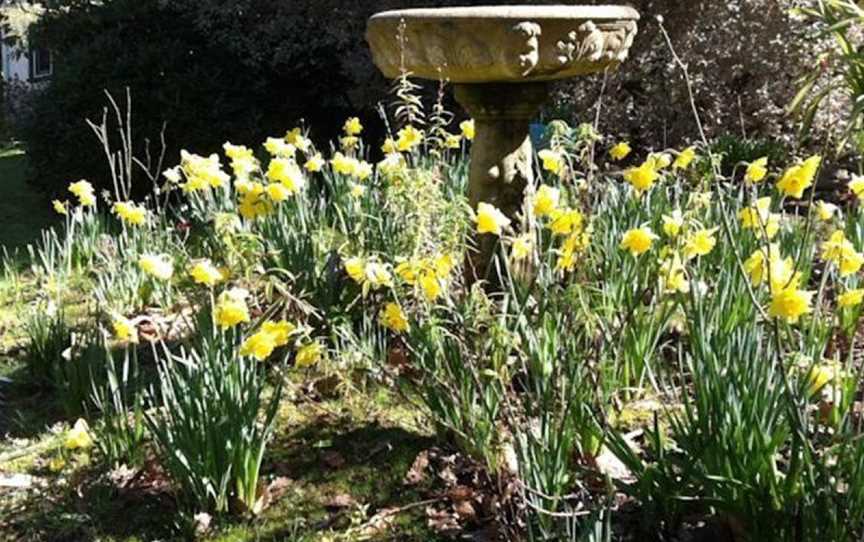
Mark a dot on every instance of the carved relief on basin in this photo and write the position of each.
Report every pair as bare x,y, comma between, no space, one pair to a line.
502,43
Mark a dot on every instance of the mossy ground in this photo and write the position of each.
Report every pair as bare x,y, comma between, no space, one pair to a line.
339,462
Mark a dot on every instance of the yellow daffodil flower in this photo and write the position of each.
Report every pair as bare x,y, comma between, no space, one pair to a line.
468,129
790,304
841,252
309,354
673,275
393,318
430,285
565,221
798,178
84,192
825,211
768,263
377,275
856,185
700,243
851,298
684,158
202,172
521,247
443,265
280,148
642,178
204,272
349,143
271,336
314,164
344,165
759,217
408,271
490,219
638,240
296,138
277,192
571,247
78,438
231,309
546,200
353,127
408,138
620,151
253,205
673,223
258,346
553,161
756,171
355,268
659,161
158,266
124,330
130,213
452,141
286,172
389,146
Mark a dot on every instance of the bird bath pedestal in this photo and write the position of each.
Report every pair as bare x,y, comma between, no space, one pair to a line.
501,60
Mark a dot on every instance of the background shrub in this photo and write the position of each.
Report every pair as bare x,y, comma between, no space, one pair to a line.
745,59
245,69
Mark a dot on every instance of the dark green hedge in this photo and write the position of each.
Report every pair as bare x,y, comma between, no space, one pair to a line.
180,71
214,70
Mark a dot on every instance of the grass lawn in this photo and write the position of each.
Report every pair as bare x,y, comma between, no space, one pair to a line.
23,210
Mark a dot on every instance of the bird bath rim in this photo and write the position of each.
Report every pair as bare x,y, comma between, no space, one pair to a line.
501,44
521,12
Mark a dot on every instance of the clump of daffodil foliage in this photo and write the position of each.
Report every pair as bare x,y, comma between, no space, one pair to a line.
726,306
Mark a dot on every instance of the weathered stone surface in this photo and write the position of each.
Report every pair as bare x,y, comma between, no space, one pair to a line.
502,43
501,154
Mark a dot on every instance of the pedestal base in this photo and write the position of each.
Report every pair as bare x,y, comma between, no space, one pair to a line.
501,157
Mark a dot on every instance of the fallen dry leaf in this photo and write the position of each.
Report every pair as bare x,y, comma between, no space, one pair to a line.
379,524
465,510
279,487
202,523
441,520
447,475
397,358
417,472
122,476
461,493
609,464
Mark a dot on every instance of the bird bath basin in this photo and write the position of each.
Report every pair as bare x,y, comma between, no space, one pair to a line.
501,60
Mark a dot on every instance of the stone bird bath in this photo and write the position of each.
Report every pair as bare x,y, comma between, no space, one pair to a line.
501,60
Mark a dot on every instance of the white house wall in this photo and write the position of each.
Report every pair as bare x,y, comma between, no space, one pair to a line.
15,64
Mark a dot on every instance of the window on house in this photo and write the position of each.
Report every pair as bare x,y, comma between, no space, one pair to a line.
40,63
